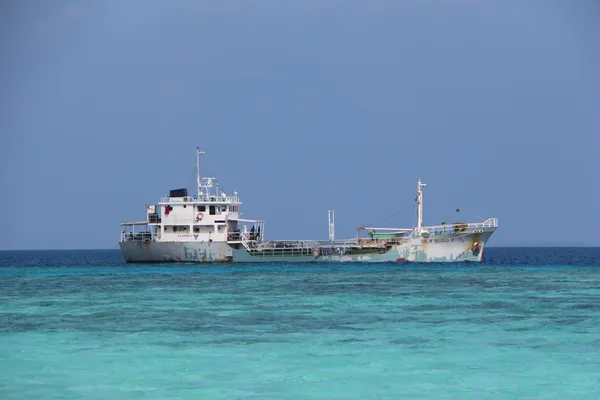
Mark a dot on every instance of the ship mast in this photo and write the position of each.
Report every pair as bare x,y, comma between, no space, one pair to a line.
331,217
420,185
198,154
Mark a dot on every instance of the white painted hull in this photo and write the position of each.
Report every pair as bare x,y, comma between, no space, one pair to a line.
167,252
445,248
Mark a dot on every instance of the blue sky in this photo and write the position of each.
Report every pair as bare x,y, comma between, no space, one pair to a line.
301,107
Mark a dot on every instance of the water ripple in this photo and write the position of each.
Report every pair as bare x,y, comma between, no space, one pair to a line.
524,324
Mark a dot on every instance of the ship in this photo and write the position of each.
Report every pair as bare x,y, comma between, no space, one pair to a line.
207,227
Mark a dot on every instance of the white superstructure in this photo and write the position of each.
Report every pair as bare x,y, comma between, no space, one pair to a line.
211,215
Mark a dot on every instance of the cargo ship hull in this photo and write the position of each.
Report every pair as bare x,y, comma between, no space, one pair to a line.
444,248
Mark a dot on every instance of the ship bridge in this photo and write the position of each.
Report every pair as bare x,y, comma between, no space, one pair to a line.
211,215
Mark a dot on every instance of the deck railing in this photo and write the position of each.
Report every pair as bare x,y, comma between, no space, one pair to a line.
287,244
381,241
488,223
137,237
202,199
243,236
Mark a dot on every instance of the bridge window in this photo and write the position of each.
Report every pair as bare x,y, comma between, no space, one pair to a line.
201,208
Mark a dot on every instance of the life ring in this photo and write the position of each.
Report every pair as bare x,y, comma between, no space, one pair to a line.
199,216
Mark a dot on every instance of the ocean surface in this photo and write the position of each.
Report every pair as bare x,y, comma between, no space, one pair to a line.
524,324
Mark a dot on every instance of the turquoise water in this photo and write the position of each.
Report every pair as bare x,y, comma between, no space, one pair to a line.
83,325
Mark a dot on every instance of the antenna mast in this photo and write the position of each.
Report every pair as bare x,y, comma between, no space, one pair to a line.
420,185
331,217
198,154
